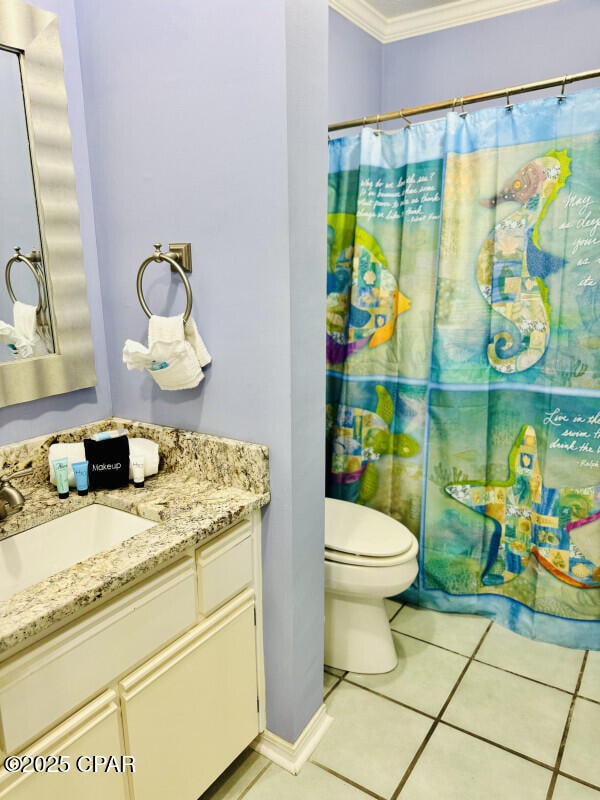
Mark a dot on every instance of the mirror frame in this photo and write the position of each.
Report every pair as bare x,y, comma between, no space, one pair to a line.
33,34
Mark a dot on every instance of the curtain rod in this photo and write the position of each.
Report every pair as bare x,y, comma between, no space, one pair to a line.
463,101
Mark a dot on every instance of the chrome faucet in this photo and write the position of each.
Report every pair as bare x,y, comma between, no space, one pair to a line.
11,499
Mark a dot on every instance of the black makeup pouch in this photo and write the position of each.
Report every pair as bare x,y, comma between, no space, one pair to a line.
108,462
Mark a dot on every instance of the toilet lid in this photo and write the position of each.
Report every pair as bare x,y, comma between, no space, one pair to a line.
362,531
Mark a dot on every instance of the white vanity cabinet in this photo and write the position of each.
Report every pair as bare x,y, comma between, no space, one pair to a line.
169,673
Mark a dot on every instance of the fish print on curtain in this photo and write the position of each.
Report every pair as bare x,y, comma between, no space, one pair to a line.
476,422
384,225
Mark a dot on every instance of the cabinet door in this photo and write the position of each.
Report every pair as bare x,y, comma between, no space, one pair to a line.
93,731
191,710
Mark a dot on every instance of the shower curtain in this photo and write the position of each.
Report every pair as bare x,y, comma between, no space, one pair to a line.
463,355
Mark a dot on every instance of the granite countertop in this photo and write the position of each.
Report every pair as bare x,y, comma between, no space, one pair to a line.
187,508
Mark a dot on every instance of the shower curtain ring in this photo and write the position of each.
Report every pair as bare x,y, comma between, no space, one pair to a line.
508,103
562,94
406,119
462,107
378,123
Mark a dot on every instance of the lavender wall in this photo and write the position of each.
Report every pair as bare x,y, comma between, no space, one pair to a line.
354,71
63,411
522,47
207,123
366,77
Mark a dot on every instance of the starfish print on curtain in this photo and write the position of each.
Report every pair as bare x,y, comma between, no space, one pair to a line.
559,526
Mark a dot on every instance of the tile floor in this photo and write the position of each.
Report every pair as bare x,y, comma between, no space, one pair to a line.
472,712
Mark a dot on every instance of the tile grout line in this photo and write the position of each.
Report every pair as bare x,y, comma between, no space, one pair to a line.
395,614
331,689
390,699
438,718
339,680
343,671
525,677
563,741
349,781
582,781
588,699
498,745
489,664
433,644
253,782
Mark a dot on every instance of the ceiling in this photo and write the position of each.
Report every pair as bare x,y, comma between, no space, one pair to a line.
391,20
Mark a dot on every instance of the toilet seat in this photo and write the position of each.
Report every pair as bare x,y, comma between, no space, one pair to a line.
371,561
361,536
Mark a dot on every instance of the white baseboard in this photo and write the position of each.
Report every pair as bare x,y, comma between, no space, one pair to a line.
293,756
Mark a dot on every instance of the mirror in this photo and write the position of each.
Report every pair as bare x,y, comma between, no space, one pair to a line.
25,330
39,213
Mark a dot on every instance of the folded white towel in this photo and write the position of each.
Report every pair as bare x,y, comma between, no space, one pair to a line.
165,329
20,347
75,451
139,446
72,451
23,337
175,354
25,317
136,356
193,337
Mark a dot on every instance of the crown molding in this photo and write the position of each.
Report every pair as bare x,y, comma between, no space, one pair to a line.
417,23
363,15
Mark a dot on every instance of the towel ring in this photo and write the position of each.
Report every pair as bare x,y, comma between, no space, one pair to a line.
160,256
31,260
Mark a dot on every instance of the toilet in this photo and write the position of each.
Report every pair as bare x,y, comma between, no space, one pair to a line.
368,557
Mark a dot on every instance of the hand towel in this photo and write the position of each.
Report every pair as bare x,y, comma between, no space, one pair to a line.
23,337
19,346
175,354
25,317
138,446
193,337
26,325
165,329
72,451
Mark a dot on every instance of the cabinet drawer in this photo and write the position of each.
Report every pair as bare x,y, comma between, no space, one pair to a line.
51,678
224,567
93,730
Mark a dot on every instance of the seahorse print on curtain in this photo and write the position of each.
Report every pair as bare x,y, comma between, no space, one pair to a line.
512,266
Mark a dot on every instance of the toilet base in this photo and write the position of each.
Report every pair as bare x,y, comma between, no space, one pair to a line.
358,637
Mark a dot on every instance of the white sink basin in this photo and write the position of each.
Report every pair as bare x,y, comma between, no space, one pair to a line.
39,552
